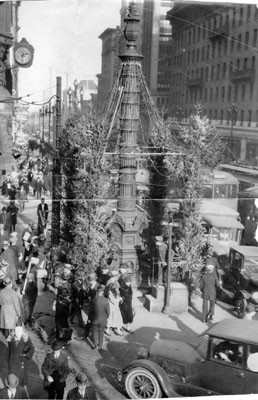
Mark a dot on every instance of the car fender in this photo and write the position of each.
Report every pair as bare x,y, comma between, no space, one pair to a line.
157,371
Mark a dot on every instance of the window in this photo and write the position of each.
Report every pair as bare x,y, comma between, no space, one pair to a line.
234,18
205,94
219,48
239,40
212,72
213,49
236,92
203,49
246,39
248,12
189,37
245,63
241,117
221,116
232,44
227,20
253,62
188,57
249,117
194,35
198,34
211,94
251,91
203,31
243,91
210,115
197,55
229,93
254,37
216,115
217,94
224,70
230,67
193,55
208,52
225,46
223,93
206,73
241,16
238,65
218,71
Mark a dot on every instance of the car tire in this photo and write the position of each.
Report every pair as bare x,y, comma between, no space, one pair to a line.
241,308
142,384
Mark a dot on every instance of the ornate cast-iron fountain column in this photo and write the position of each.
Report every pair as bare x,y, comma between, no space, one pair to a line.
128,221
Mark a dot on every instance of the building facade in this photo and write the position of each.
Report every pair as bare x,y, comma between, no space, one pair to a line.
214,63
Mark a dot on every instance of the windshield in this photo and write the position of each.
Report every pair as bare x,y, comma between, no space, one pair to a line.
251,266
224,234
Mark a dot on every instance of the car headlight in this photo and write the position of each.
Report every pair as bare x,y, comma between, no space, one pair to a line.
255,296
143,353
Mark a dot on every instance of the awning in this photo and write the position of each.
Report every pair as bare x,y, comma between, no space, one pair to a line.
223,222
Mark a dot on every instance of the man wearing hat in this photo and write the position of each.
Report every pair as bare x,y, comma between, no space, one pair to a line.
20,353
10,307
162,248
98,315
13,210
63,308
55,370
29,298
77,298
12,389
5,219
90,295
82,390
8,256
208,286
42,213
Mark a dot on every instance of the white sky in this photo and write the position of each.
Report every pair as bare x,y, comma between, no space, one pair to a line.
64,34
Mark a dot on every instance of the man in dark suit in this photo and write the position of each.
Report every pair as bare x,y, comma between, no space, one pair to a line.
12,389
208,286
90,294
98,316
5,219
42,213
82,391
55,370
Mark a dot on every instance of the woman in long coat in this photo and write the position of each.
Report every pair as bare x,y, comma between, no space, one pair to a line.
115,318
10,307
126,307
21,351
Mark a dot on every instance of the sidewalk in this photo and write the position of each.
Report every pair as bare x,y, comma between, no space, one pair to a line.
102,368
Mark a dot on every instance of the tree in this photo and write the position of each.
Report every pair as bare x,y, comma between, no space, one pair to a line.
202,150
85,184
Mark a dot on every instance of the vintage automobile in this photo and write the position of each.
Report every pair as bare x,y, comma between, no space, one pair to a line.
240,279
224,360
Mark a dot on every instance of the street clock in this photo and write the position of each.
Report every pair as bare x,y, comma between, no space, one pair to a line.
23,54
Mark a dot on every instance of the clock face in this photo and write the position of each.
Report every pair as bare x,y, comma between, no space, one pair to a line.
23,55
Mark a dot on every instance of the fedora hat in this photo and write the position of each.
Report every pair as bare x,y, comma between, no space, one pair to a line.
12,381
81,378
7,281
57,346
4,263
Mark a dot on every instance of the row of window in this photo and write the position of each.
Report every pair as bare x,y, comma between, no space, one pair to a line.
219,71
236,17
238,92
222,115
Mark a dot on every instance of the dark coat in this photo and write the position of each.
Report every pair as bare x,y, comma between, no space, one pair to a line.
57,368
19,394
5,219
126,307
208,286
100,310
20,353
89,394
13,211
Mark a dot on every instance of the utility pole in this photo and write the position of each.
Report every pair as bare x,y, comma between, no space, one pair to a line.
56,174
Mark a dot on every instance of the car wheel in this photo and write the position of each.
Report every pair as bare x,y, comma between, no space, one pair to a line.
241,308
142,384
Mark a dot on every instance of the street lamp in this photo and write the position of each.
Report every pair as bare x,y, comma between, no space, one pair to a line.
180,114
69,92
81,97
75,93
42,114
49,112
232,112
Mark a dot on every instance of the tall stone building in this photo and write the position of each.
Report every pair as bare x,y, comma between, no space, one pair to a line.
214,62
8,30
154,45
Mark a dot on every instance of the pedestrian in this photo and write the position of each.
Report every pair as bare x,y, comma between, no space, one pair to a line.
90,294
98,315
10,308
12,389
55,370
8,256
12,209
208,285
115,320
39,186
82,390
20,352
22,198
5,219
17,252
63,308
126,307
77,298
42,213
29,298
4,235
